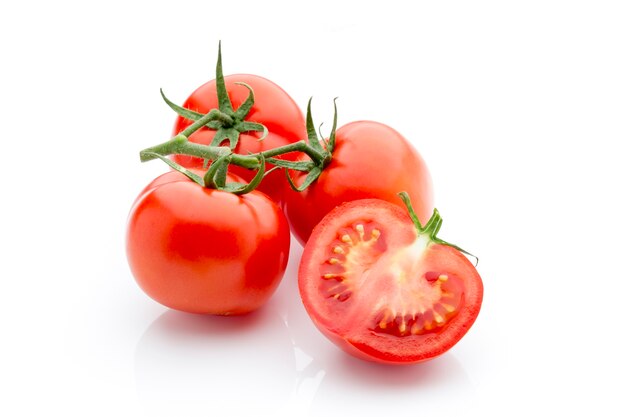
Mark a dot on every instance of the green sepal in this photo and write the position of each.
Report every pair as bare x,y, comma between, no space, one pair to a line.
246,106
443,242
215,177
230,134
192,176
432,226
321,135
310,178
182,111
222,172
331,139
254,127
304,166
310,130
407,202
252,185
268,172
233,187
223,99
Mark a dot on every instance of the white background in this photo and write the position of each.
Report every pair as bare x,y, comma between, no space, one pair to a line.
518,108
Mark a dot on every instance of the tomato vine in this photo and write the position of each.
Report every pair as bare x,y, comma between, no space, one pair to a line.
229,123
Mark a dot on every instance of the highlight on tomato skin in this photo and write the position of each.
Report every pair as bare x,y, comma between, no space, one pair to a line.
206,251
382,289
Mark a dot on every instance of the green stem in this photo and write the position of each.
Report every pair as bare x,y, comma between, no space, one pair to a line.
213,115
300,146
432,227
180,145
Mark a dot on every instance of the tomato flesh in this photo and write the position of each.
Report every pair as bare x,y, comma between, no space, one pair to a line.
381,291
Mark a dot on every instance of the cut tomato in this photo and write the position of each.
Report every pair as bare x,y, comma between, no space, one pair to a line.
384,288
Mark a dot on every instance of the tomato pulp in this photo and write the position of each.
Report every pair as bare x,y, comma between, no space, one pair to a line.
370,160
273,108
382,290
206,251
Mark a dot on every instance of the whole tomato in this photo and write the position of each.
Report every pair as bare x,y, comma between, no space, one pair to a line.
273,108
370,160
206,251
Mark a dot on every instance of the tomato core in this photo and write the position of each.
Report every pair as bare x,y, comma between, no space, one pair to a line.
427,306
415,302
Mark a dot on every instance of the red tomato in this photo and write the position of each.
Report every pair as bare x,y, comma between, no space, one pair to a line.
273,107
370,160
383,291
200,250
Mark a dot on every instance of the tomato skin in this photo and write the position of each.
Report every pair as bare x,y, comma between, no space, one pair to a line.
370,160
273,107
350,326
206,251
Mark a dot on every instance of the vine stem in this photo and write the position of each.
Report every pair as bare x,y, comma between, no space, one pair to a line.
179,144
213,115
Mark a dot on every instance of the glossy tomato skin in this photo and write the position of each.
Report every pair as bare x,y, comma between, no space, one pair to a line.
205,251
273,107
370,160
350,311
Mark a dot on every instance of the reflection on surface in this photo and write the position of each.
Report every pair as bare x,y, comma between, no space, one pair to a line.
439,386
259,365
193,365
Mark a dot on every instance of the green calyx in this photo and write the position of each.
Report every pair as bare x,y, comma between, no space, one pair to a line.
324,149
228,122
431,228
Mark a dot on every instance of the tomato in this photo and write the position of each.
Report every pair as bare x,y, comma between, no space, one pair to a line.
206,251
273,107
370,160
383,290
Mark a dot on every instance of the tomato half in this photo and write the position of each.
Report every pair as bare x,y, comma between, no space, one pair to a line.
381,290
206,251
370,160
273,107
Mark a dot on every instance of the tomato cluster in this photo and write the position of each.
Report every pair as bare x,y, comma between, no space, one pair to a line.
212,236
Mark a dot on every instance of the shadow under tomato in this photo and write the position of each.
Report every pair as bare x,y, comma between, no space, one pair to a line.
198,365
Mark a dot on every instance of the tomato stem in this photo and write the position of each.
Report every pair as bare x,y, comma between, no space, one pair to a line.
180,145
432,227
